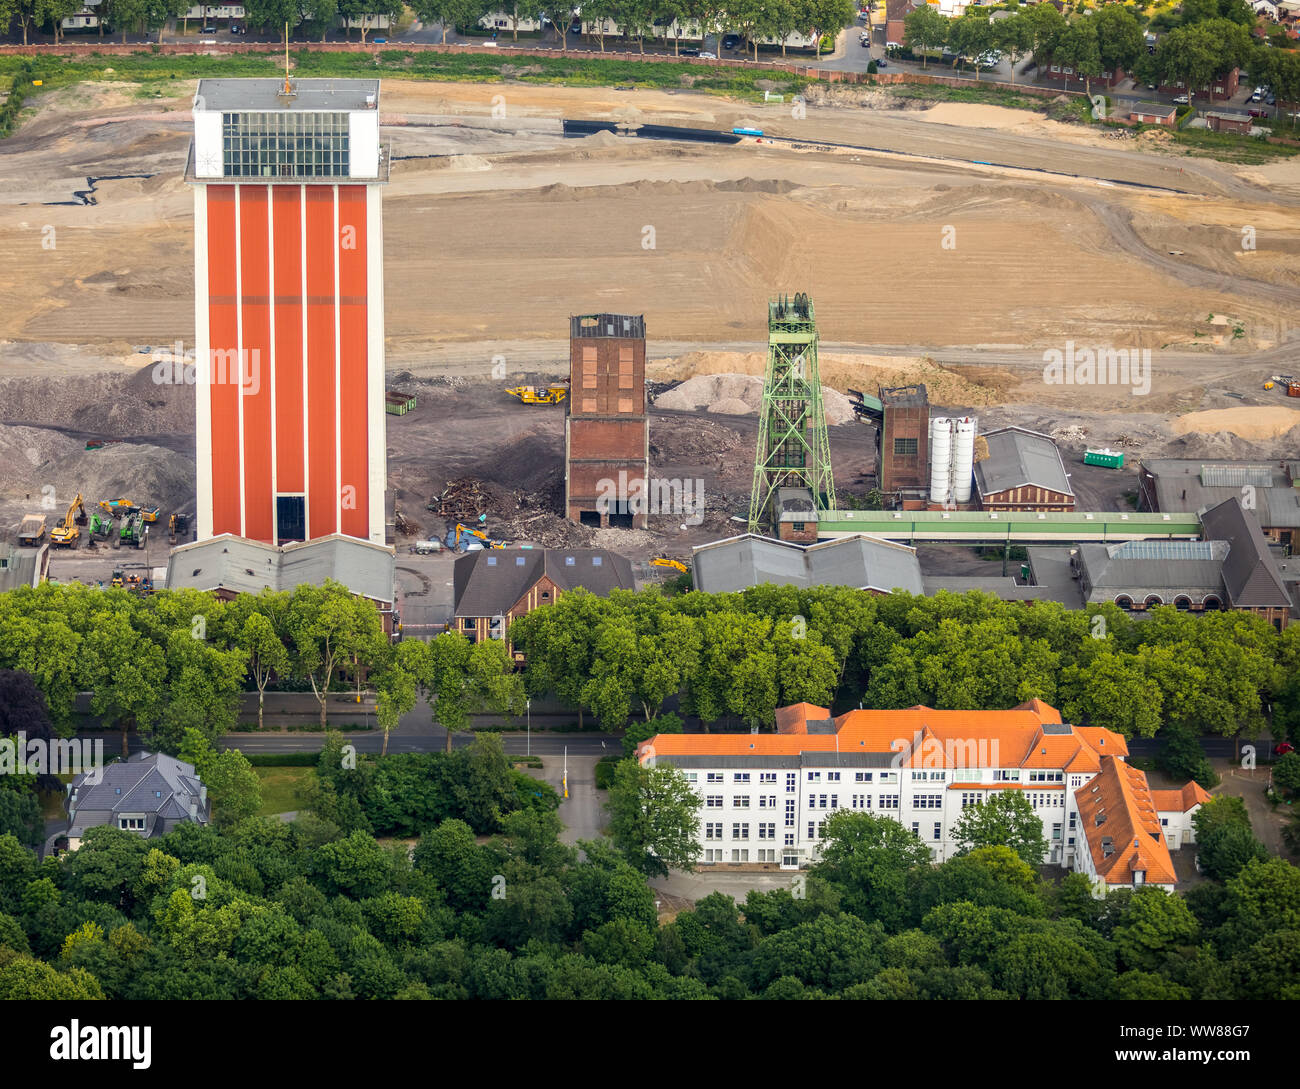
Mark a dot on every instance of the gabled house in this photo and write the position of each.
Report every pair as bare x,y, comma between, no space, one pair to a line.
494,587
149,794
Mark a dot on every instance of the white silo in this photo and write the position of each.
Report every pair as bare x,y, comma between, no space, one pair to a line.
940,459
963,459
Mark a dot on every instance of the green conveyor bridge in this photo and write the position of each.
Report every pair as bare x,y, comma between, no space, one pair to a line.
998,527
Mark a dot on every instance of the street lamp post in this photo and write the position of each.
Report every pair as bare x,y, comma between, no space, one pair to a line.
528,727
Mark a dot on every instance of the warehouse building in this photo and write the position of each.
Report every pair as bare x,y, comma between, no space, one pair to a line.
1023,471
1269,490
862,562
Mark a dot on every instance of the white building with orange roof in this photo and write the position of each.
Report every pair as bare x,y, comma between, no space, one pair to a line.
1175,809
764,798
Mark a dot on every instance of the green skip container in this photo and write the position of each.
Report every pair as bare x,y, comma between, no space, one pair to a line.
1108,459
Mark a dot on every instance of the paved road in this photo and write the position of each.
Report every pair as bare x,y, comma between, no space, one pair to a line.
583,812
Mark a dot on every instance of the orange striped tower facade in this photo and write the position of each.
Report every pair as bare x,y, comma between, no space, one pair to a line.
289,309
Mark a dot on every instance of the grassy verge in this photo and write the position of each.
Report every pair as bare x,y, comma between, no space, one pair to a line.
1230,147
145,67
282,788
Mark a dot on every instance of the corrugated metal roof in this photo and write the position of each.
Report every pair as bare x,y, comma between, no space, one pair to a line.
1180,486
860,561
1018,458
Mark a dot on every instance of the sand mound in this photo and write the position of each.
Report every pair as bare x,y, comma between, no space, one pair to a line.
740,395
972,115
1257,422
731,406
603,138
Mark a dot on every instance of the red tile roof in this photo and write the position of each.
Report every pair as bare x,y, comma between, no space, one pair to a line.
925,738
1180,801
1121,826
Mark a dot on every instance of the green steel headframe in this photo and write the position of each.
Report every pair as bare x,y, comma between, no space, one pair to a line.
793,448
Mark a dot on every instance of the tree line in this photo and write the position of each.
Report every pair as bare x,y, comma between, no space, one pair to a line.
179,659
304,910
1209,39
735,658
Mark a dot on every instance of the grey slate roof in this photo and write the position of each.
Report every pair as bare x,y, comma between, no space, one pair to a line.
861,561
1018,457
1184,484
159,787
491,582
1250,574
1109,571
233,95
244,566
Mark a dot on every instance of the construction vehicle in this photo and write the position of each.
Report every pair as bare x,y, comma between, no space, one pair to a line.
32,530
458,538
134,532
664,561
101,526
426,548
537,395
177,525
126,576
1269,384
66,534
149,514
117,506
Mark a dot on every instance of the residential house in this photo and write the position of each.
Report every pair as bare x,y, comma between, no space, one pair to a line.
149,794
1023,471
1221,86
494,587
764,798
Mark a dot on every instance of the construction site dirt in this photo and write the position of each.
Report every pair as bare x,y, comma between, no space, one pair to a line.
496,230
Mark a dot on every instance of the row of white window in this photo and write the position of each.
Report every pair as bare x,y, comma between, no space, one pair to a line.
963,775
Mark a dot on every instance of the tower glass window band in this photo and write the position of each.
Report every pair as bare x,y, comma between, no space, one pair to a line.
278,145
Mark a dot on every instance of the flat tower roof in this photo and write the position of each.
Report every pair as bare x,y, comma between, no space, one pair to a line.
320,95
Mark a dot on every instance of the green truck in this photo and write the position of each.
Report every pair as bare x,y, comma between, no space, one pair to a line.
1108,459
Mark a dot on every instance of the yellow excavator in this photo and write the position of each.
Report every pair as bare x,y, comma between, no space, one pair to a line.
461,531
66,534
664,561
538,395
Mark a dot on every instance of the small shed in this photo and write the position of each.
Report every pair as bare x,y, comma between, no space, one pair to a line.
1217,121
1152,113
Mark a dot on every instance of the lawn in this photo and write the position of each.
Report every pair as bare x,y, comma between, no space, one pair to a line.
282,789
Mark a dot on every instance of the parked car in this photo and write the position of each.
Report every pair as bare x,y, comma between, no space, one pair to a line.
1257,95
1284,747
379,41
1270,99
235,29
208,30
882,63
731,41
1181,100
708,56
